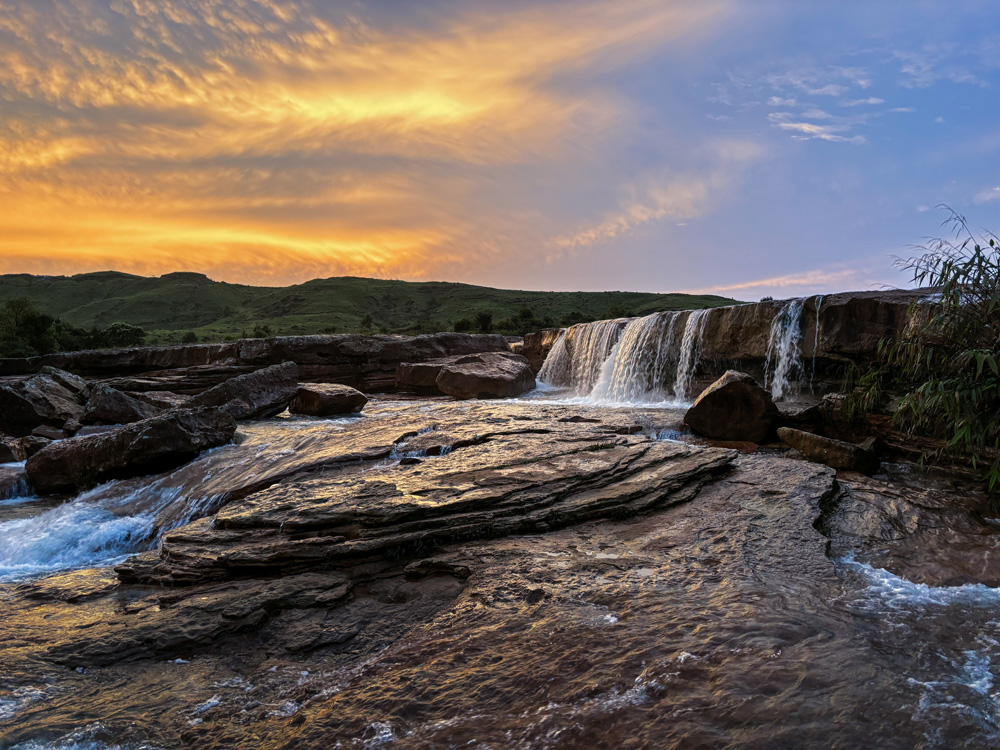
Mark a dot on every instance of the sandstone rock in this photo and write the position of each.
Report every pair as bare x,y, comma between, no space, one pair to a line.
162,399
49,433
489,375
10,451
49,398
834,453
256,395
109,406
139,448
31,444
327,400
537,345
734,407
419,377
528,481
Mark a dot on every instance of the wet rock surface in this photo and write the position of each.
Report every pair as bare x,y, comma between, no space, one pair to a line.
734,407
255,395
540,577
48,399
327,400
834,453
489,375
144,447
109,406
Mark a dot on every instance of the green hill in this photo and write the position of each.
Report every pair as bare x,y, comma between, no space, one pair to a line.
170,306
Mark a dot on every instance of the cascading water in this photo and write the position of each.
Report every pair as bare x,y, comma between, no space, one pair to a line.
812,373
690,349
643,360
784,349
637,368
578,355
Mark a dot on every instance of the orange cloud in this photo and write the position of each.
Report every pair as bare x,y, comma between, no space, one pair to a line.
270,140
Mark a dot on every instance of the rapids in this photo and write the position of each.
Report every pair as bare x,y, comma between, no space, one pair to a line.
728,620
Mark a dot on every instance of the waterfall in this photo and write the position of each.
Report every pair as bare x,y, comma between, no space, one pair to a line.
812,374
690,349
784,349
638,366
579,354
642,360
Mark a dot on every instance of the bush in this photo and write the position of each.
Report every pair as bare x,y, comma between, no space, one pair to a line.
484,322
947,363
121,335
25,331
463,325
189,338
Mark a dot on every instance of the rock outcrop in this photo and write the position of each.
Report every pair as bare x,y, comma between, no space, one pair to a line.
139,448
327,400
734,407
256,395
367,363
49,399
419,377
109,406
836,454
537,346
489,375
518,480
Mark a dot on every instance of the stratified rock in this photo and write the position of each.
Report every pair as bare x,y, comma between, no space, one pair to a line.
537,345
139,448
256,395
109,406
734,407
488,375
834,453
419,377
524,482
162,399
327,400
49,398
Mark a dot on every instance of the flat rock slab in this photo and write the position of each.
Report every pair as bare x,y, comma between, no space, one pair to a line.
834,453
529,480
256,395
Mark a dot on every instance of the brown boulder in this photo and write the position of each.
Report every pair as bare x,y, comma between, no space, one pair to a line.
834,453
419,377
50,398
537,345
487,375
255,395
10,451
327,400
145,447
734,407
110,406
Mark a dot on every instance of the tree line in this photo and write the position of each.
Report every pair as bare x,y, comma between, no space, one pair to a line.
27,331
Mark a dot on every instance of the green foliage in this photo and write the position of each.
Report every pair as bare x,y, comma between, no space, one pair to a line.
25,331
189,338
484,321
464,325
169,305
120,335
947,363
262,331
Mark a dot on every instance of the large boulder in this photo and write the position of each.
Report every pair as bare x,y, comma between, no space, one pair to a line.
50,398
487,375
537,346
834,453
420,377
327,400
256,395
734,407
145,447
109,406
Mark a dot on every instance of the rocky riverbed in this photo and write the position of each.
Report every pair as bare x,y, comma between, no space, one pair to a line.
525,573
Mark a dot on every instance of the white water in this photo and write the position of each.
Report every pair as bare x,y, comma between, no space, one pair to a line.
812,373
784,349
648,360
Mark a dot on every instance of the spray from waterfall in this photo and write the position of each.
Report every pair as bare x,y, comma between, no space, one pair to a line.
784,349
579,354
639,364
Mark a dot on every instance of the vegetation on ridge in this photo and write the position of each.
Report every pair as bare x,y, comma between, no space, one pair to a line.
188,307
946,365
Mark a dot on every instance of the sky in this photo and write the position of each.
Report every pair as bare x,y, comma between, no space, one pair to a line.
739,147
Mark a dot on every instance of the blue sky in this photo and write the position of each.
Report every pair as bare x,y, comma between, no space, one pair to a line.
745,148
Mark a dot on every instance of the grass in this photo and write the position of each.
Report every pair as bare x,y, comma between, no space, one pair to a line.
169,306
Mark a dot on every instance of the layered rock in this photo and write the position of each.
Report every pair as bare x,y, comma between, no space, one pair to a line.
139,448
734,407
834,453
109,406
367,363
256,395
49,399
537,345
489,375
327,400
528,480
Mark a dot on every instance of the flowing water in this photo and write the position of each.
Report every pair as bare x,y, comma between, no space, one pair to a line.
784,350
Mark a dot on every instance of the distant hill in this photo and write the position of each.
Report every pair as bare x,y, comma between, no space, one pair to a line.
175,304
